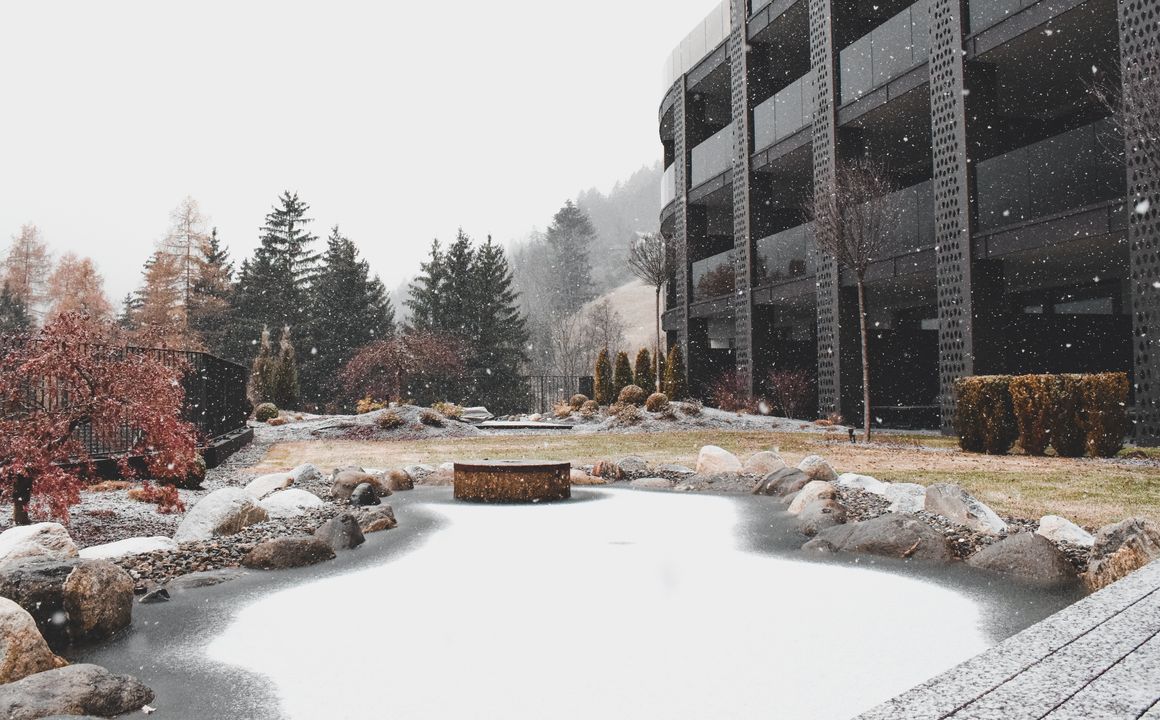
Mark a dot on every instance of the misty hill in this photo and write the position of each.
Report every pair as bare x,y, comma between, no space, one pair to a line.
632,206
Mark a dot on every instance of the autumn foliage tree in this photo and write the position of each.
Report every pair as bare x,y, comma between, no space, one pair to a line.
76,286
418,366
65,379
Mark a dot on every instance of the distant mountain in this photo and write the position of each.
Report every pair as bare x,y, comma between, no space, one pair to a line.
632,206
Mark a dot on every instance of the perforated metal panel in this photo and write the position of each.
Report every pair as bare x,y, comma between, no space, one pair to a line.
681,217
1140,63
742,297
824,139
951,201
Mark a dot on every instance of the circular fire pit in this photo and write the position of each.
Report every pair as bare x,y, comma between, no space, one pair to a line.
515,481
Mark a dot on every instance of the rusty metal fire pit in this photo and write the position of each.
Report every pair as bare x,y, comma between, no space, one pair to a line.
514,481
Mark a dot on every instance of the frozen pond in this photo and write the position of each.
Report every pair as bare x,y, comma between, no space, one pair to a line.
618,604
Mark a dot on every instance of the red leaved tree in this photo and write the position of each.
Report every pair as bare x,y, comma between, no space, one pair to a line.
417,366
67,379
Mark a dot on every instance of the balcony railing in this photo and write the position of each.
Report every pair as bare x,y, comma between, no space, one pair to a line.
756,5
789,110
712,157
886,52
714,277
1077,168
910,219
704,39
788,255
982,14
669,185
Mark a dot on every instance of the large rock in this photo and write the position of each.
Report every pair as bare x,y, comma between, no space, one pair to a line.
607,470
862,482
223,512
813,490
72,601
780,483
1120,550
960,507
347,480
906,498
376,519
288,552
397,480
633,466
763,463
1058,529
713,460
290,503
418,472
899,536
816,468
73,690
305,474
1026,557
820,515
44,541
128,546
23,650
577,476
341,532
364,494
265,485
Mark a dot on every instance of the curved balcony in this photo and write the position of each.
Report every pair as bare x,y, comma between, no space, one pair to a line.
669,185
886,52
712,157
787,111
704,39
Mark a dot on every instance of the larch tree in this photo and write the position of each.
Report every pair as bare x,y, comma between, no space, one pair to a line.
27,267
650,259
160,317
570,238
185,245
75,286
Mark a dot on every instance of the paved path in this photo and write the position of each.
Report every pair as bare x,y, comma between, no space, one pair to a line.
1099,658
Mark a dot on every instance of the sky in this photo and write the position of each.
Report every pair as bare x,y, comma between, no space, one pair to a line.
399,122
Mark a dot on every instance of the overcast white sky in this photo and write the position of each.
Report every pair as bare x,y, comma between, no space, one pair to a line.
399,122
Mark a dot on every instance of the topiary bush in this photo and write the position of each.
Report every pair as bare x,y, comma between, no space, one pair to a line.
656,402
676,384
984,418
1105,412
621,373
642,372
265,412
577,401
590,408
1033,402
626,414
1067,434
632,395
602,380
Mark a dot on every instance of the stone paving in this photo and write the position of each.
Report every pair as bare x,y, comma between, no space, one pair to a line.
1099,658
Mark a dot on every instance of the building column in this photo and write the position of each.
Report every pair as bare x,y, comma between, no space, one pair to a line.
681,218
742,264
951,202
823,62
1139,65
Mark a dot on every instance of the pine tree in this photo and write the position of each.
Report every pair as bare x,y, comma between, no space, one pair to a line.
676,381
14,317
569,238
621,374
185,244
427,292
262,371
130,306
643,371
602,382
458,308
285,392
499,335
209,312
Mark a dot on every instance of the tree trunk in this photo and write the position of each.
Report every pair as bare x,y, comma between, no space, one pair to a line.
657,359
865,360
21,495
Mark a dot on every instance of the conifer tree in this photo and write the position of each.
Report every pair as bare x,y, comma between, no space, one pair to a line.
160,318
643,371
458,306
27,267
426,291
209,312
75,286
14,317
602,382
285,392
262,371
676,382
130,306
621,374
499,334
570,237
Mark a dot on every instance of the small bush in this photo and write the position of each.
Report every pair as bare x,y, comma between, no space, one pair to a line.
790,391
632,395
656,402
165,497
448,410
590,408
562,410
669,412
626,414
390,420
265,411
984,418
368,404
276,421
577,401
1105,413
730,392
193,478
430,418
692,408
1033,402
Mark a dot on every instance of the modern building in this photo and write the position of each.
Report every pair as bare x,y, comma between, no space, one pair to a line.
1024,231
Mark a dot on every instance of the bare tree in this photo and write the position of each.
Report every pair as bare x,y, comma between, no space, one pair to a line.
650,259
850,225
568,344
186,244
604,328
1134,106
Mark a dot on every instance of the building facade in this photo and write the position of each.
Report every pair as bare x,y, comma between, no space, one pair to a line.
1023,230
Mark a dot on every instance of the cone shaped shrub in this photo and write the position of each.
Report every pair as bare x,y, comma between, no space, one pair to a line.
602,380
676,381
642,373
621,373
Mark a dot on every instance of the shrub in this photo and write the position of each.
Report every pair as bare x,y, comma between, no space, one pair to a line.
368,404
165,497
1067,435
1105,399
692,408
448,410
417,366
390,420
730,392
676,384
632,395
642,372
621,374
626,414
276,421
577,401
590,408
790,391
430,418
984,418
562,410
602,380
1033,402
657,402
191,479
265,412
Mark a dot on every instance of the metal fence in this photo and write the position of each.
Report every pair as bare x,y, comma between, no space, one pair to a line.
544,391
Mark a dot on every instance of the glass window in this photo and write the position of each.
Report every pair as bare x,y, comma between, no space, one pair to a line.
1090,306
714,277
788,255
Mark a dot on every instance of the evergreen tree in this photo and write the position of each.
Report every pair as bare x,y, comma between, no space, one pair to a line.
458,309
262,371
209,312
643,371
499,334
676,381
621,374
602,382
130,306
569,238
285,392
427,292
14,317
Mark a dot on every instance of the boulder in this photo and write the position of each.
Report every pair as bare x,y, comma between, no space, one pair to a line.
906,498
813,490
72,601
264,485
376,519
763,463
287,552
652,483
305,474
780,483
418,472
347,480
341,533
443,475
397,480
1058,529
712,460
579,477
608,470
862,482
1027,557
633,466
23,650
820,515
290,503
73,690
43,541
960,507
364,494
816,468
1120,550
128,546
898,536
223,512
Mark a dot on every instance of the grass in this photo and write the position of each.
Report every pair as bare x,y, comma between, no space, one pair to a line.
1090,492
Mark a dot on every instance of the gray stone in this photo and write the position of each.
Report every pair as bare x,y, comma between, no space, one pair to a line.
289,503
72,601
73,690
341,533
763,463
712,460
364,494
1027,557
782,482
906,497
288,552
305,473
960,507
223,512
865,483
632,466
813,490
23,650
376,519
820,515
39,541
1120,550
264,485
1059,529
816,468
347,480
899,536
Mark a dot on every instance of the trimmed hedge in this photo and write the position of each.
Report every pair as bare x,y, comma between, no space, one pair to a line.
1033,401
984,417
1105,403
1067,433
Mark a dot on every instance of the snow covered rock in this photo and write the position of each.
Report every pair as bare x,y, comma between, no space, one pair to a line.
820,515
346,481
418,472
290,503
264,485
305,474
713,460
223,512
957,505
40,541
128,546
816,468
23,650
73,690
1058,529
862,482
906,498
632,466
763,463
376,519
813,490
